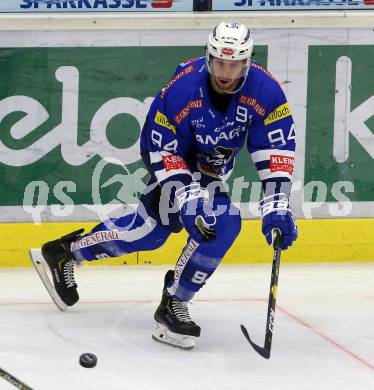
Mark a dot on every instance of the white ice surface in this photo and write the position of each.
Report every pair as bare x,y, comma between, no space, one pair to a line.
323,337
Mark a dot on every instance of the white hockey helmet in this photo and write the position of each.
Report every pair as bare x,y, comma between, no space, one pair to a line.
230,41
233,42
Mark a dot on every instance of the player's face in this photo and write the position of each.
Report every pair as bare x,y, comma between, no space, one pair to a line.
226,73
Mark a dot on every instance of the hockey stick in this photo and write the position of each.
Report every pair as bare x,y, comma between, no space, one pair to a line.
265,351
13,380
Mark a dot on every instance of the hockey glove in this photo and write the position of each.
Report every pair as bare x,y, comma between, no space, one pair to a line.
195,214
276,214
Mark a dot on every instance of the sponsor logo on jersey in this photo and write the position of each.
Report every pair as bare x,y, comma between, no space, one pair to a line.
227,136
196,103
198,123
252,102
279,113
182,261
186,110
162,120
224,126
228,51
172,162
178,76
280,163
96,238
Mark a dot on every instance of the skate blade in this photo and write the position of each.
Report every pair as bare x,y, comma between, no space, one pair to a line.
40,267
163,335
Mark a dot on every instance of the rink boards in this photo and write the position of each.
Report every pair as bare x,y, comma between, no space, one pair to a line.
323,240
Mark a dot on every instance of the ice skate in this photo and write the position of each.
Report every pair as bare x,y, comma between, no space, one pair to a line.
173,322
60,260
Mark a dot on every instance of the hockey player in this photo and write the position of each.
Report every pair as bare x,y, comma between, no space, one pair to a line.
194,129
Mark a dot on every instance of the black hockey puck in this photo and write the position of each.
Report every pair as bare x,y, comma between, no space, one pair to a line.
88,360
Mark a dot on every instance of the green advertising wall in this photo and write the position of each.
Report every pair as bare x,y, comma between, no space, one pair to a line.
69,116
323,93
104,74
101,75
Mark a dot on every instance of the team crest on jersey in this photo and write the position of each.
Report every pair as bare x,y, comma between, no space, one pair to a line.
219,156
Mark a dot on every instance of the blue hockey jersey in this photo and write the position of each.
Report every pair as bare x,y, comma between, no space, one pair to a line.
185,133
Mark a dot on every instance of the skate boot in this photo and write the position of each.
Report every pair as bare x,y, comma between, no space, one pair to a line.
173,322
61,262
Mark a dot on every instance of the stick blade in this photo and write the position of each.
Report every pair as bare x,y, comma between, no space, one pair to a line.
260,350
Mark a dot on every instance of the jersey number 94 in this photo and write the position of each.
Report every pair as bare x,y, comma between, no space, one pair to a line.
157,140
278,138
